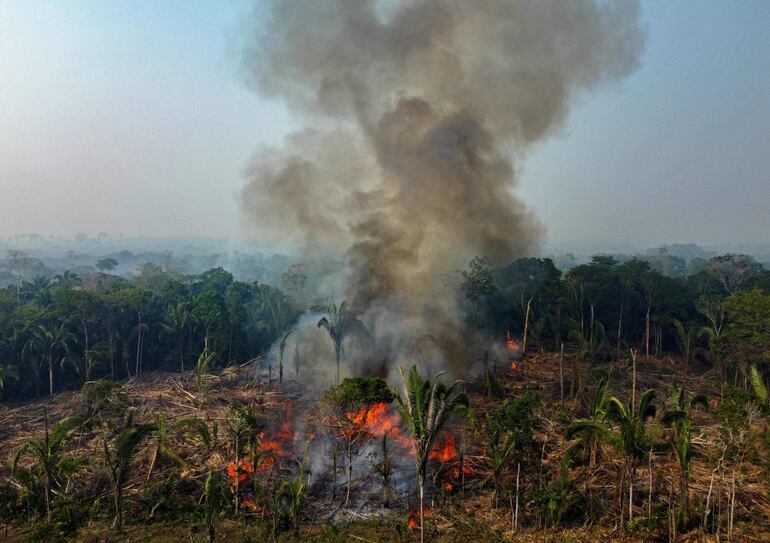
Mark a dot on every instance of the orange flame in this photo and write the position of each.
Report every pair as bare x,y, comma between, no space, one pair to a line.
511,343
279,445
413,520
445,452
378,420
240,473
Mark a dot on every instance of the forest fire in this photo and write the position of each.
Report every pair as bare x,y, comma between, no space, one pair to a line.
511,343
451,466
446,452
514,348
241,473
282,442
280,445
379,420
413,520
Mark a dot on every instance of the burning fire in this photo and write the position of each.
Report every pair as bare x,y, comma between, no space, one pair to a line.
511,343
513,346
446,452
379,420
278,446
240,473
413,520
251,504
281,444
451,468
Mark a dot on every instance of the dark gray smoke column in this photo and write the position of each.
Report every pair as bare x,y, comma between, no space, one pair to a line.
415,112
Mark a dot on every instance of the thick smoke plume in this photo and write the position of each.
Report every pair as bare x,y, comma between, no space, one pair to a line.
415,114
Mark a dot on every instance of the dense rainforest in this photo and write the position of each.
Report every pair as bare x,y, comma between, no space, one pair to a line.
63,331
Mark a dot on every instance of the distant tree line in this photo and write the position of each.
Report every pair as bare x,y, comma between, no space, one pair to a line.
62,332
719,316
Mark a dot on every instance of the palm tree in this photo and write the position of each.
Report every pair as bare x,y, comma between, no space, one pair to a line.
632,438
293,493
276,314
176,323
242,423
49,339
758,385
46,455
424,410
118,460
627,434
589,347
687,339
591,428
680,420
37,289
163,449
202,367
501,449
213,501
68,279
339,324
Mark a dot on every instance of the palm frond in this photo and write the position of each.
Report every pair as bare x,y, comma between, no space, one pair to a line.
758,384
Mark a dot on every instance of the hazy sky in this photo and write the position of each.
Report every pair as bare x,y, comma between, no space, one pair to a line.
133,117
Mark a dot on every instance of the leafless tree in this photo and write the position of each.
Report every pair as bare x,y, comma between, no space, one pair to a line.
712,306
733,270
18,264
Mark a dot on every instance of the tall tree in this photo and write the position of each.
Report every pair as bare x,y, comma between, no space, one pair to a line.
477,283
293,280
51,339
208,310
733,270
18,264
340,323
68,279
178,320
745,339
